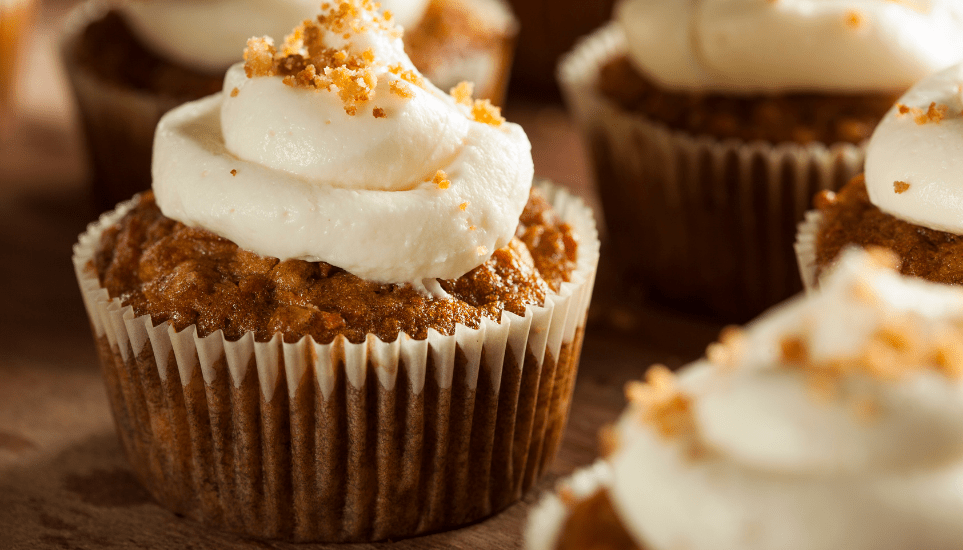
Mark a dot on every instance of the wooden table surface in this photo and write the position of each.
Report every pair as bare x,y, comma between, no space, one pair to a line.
64,483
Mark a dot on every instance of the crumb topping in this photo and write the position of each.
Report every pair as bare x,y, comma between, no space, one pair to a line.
441,180
934,113
900,187
378,112
234,92
661,403
855,19
463,92
234,172
729,349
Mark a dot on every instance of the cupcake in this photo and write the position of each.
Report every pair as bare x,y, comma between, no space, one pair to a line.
708,140
833,421
909,199
130,62
342,313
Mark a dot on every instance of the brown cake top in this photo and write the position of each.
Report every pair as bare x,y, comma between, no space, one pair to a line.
189,276
795,117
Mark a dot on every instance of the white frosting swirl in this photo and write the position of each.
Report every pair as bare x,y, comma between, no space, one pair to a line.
928,157
781,468
406,13
286,172
757,46
209,35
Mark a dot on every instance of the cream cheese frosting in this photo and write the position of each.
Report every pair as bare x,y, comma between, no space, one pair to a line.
759,46
208,35
371,169
914,160
834,421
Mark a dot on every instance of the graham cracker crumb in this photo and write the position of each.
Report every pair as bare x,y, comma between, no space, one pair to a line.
729,349
661,403
463,92
481,250
793,349
463,206
472,228
483,111
608,441
855,19
234,92
400,89
441,180
378,112
234,172
900,187
883,257
307,62
934,113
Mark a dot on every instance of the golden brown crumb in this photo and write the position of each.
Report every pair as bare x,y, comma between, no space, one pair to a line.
234,92
900,187
883,257
933,113
400,89
463,206
608,441
855,19
728,350
793,349
902,109
483,111
463,92
378,112
661,403
472,228
481,250
259,57
441,180
234,172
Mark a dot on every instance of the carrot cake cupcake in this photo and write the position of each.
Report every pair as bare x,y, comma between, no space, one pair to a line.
132,61
712,123
343,313
910,197
833,421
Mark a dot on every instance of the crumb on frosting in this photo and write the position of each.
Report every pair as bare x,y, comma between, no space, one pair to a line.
235,91
463,92
378,112
463,206
855,19
934,113
481,250
234,172
440,179
900,187
306,61
483,111
729,349
661,403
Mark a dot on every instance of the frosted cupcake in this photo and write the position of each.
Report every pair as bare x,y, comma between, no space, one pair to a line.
910,198
132,61
343,313
712,124
833,421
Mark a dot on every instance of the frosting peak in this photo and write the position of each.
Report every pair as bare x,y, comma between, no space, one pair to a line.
914,161
759,46
834,421
338,143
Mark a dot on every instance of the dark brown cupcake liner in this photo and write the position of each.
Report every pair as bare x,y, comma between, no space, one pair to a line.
118,121
701,224
343,442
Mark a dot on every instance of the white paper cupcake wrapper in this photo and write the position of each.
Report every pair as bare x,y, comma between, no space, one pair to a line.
697,219
546,519
281,446
806,248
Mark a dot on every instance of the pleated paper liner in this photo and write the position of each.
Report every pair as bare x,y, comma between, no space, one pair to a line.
118,121
343,442
805,248
700,224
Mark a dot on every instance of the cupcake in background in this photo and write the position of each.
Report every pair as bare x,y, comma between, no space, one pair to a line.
712,124
910,199
833,421
131,61
344,312
15,22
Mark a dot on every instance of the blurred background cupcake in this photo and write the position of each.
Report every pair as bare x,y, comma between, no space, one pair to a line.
711,128
910,199
130,62
833,421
